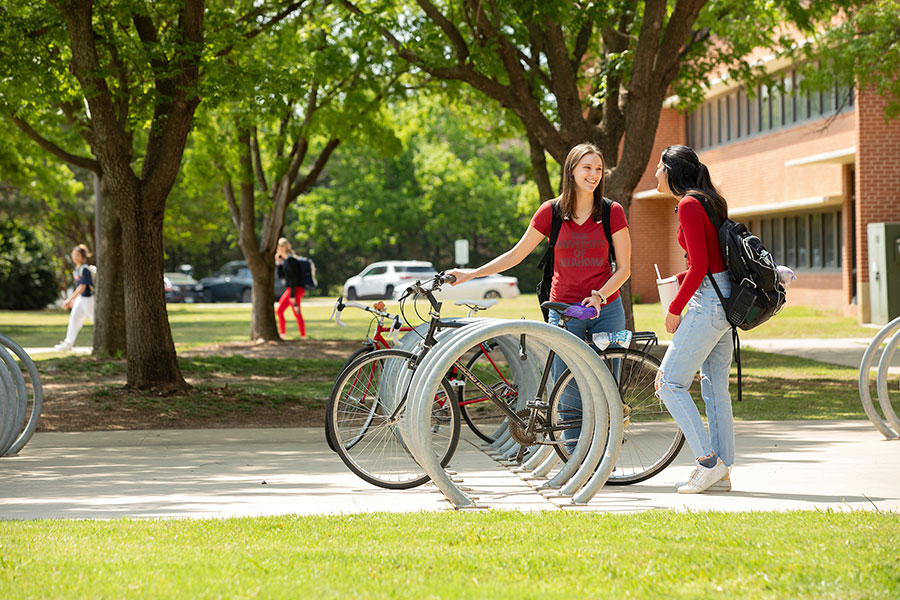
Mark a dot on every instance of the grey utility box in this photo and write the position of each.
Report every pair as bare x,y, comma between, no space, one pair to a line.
884,271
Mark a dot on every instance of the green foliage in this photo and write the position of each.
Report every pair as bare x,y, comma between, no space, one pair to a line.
864,50
730,36
450,180
26,276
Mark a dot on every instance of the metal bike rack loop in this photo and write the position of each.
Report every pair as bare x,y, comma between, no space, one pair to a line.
864,368
15,430
596,451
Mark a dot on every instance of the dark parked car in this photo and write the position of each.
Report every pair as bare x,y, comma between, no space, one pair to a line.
182,288
233,283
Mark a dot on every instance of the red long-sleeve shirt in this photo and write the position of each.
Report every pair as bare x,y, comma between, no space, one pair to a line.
699,237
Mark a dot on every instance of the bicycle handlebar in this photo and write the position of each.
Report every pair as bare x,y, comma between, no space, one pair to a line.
340,305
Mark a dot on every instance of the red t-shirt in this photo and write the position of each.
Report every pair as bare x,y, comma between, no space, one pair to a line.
699,237
581,255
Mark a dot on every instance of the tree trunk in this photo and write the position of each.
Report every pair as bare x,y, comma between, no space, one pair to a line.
152,363
262,319
109,315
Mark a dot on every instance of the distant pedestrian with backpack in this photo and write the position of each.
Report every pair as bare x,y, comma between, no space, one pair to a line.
299,275
82,299
588,259
702,338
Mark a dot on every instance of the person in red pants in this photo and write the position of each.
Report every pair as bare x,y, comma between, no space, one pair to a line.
289,269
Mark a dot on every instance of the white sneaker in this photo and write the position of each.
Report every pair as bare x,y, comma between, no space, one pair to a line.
722,485
63,345
703,478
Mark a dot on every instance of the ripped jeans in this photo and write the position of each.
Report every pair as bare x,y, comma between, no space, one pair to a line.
702,341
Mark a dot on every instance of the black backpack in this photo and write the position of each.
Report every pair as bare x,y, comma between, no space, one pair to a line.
757,293
307,273
546,264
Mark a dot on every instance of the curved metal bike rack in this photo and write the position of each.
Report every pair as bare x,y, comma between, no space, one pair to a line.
596,451
892,329
525,374
17,424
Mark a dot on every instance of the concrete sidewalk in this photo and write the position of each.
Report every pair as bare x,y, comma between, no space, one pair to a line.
837,465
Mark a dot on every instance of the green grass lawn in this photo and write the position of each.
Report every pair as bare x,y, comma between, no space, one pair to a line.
657,554
198,324
776,387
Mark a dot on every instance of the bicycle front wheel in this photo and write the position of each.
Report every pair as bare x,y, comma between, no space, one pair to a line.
365,412
484,417
652,438
329,435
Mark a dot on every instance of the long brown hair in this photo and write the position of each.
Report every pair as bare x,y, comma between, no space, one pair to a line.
567,194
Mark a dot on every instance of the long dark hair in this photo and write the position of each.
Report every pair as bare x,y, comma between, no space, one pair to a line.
688,176
567,193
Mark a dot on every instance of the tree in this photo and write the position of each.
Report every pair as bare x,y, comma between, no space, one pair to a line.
584,71
124,78
454,175
52,199
26,275
863,51
297,95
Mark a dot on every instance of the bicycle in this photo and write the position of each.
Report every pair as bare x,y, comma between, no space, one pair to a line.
481,416
369,399
652,438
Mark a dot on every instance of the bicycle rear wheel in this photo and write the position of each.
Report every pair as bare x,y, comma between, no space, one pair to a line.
652,438
484,417
366,430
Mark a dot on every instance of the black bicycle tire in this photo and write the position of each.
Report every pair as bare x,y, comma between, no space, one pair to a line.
417,478
329,434
470,421
665,458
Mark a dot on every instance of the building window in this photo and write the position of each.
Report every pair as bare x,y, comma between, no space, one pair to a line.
735,116
816,247
809,241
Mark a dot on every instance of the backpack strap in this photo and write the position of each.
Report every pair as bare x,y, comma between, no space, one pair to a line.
605,212
717,222
555,226
546,265
555,223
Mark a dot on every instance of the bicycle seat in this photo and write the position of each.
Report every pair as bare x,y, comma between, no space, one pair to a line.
477,304
572,311
560,307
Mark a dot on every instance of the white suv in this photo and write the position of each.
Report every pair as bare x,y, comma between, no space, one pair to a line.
379,279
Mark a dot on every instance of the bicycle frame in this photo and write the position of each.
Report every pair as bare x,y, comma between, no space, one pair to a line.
379,341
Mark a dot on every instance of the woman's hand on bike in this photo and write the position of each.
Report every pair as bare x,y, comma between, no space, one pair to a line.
593,302
461,275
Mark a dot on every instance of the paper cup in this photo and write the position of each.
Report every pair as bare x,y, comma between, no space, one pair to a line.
668,287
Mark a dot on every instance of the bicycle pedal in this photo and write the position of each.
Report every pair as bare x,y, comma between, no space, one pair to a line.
538,404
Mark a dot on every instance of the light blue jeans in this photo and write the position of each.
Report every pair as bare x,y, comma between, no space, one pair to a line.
702,341
611,319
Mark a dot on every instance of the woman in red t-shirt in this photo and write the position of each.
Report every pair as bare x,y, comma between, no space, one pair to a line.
581,273
581,270
701,339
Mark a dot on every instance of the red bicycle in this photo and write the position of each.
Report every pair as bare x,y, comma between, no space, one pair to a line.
483,417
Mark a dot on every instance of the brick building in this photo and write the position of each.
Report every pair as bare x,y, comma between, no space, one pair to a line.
807,173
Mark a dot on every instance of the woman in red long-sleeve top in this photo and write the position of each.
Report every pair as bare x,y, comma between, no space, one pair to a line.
701,339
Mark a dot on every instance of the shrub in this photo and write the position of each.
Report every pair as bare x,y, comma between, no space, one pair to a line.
27,281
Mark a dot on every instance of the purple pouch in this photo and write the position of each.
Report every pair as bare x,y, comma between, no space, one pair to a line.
583,313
